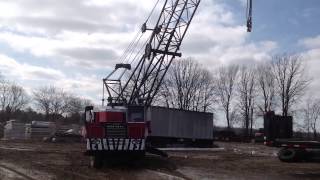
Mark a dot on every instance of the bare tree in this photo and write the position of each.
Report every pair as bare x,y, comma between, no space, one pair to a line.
181,81
247,95
4,91
187,86
59,104
42,97
312,114
12,98
17,99
76,104
75,107
266,84
291,81
226,81
204,97
52,101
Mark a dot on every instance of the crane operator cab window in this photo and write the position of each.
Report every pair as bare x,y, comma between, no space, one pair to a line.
135,114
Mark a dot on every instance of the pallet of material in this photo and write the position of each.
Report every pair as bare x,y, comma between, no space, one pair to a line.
14,130
40,130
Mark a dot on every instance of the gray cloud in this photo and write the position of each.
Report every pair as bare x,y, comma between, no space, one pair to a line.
199,44
311,42
42,74
54,25
89,57
89,53
18,70
54,16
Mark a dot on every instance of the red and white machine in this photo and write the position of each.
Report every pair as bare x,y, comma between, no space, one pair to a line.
121,127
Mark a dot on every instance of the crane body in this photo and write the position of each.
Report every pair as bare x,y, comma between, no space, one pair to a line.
121,126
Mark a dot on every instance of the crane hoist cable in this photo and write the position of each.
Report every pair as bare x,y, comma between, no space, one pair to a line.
135,58
134,50
141,48
133,45
126,55
154,7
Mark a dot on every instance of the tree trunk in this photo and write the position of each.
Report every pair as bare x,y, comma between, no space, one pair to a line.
228,118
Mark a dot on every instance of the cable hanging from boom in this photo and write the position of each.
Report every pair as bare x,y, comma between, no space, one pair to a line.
124,54
130,49
249,15
154,7
133,50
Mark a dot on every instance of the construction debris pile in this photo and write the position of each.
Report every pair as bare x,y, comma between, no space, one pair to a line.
36,130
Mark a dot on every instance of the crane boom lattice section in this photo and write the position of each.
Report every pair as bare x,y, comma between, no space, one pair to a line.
163,46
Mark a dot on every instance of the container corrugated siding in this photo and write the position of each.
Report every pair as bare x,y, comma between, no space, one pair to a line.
176,123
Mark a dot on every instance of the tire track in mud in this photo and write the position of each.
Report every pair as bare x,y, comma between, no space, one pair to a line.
165,175
46,167
160,174
74,174
49,168
17,172
60,170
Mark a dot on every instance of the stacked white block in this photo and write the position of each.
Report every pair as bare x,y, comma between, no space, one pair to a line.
14,130
40,129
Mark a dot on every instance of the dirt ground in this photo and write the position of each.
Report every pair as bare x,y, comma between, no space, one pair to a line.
30,160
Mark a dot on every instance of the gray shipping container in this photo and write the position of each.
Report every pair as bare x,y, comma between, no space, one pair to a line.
175,123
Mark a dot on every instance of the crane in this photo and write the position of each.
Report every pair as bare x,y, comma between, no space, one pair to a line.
163,46
121,126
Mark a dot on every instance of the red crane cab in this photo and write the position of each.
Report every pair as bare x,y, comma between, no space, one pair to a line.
115,130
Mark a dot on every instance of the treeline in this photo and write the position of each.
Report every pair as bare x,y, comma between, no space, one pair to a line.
242,92
239,92
47,103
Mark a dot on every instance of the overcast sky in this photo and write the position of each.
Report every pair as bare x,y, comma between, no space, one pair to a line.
73,44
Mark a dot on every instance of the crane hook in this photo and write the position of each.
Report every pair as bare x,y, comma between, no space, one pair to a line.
249,15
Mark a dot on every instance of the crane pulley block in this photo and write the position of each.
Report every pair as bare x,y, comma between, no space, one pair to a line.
156,30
